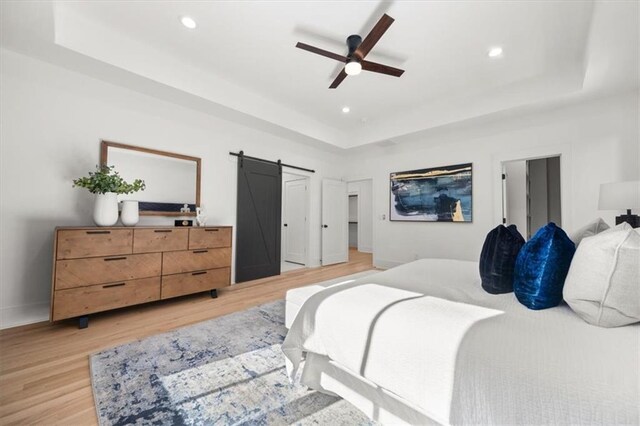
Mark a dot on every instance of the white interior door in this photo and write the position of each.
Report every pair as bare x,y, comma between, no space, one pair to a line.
295,197
335,218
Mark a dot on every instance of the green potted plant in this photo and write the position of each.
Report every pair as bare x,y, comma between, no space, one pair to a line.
106,183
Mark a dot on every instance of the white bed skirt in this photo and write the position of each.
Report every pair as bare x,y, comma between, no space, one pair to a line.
322,374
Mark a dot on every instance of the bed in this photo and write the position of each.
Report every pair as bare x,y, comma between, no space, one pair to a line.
424,344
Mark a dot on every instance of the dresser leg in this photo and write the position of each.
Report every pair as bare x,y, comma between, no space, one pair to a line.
214,294
83,322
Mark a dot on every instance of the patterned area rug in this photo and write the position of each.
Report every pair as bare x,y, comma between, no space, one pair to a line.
225,371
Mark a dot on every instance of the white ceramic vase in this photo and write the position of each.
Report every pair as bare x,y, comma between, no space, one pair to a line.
129,215
105,209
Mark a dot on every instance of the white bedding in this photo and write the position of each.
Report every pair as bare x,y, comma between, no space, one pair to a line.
428,333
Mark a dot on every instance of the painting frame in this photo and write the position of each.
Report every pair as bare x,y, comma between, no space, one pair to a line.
462,177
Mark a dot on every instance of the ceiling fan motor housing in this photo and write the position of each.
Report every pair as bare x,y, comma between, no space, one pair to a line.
353,41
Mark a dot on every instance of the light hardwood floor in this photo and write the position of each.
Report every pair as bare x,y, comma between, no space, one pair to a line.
44,368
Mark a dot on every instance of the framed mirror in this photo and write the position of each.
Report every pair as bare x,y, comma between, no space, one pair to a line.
172,180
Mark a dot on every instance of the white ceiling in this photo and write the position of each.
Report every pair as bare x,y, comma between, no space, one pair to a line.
242,56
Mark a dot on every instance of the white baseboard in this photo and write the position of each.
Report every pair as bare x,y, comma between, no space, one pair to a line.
386,264
14,316
365,249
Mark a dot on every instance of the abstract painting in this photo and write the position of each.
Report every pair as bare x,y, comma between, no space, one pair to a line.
438,194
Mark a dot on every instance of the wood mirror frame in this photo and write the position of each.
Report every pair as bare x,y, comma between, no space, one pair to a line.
156,208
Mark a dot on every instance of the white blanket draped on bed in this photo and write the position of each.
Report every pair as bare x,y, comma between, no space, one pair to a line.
427,332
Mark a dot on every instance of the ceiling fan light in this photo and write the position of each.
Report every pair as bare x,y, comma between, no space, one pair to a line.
353,68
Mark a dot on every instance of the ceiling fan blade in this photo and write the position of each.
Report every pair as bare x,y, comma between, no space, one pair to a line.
382,69
338,80
374,35
321,52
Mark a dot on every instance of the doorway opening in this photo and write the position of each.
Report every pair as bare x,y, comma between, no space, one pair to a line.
360,221
531,194
353,222
295,213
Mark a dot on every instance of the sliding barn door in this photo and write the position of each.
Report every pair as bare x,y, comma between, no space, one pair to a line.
258,220
335,222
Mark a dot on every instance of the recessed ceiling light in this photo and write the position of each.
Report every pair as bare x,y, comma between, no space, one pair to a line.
188,22
495,52
346,109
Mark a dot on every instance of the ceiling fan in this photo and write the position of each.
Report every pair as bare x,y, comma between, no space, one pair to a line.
358,49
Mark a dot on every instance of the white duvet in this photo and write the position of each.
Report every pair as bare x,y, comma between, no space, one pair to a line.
427,332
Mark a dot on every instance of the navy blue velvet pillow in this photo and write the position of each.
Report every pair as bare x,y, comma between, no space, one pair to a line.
498,259
542,267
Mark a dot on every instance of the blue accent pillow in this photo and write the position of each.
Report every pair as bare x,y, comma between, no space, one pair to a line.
542,266
498,259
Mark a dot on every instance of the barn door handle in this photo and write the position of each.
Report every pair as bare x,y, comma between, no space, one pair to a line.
325,226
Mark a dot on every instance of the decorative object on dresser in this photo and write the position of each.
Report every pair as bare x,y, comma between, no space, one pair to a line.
107,183
201,218
621,196
98,269
130,214
173,179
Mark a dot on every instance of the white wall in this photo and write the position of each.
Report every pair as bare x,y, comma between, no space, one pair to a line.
364,189
52,124
599,140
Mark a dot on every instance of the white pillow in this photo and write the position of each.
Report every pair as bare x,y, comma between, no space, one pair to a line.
592,228
603,283
624,226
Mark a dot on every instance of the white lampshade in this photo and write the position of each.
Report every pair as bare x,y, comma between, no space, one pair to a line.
620,195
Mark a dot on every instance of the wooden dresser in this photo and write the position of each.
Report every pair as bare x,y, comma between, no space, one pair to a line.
98,269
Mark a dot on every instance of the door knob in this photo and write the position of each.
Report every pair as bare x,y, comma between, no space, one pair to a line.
285,224
325,226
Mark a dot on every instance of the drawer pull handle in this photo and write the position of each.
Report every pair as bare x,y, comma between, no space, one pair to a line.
211,230
200,251
98,232
113,285
163,230
199,273
109,259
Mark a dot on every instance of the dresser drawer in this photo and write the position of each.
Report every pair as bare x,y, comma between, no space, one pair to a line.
200,238
72,273
97,242
176,262
155,240
194,282
80,301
